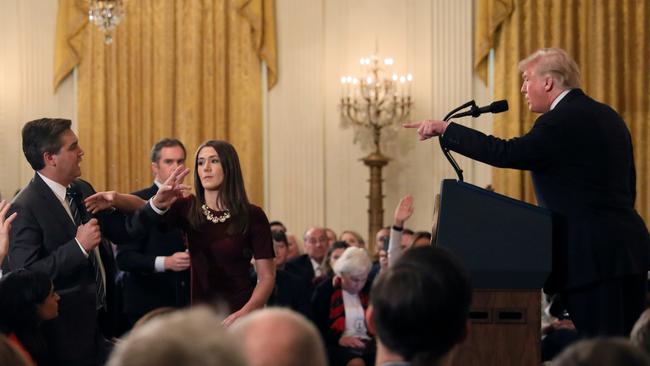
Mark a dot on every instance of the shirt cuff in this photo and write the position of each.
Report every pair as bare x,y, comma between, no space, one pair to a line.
159,264
82,248
156,209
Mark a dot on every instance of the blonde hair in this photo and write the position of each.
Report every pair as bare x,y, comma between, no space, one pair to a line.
556,63
353,262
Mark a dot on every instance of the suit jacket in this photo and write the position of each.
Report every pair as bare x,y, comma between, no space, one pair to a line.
291,291
580,156
43,239
302,267
143,288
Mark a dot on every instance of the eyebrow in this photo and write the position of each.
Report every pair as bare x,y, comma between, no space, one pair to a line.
209,157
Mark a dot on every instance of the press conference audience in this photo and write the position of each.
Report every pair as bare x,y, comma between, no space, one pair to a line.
333,254
185,337
640,334
27,299
353,238
290,290
279,337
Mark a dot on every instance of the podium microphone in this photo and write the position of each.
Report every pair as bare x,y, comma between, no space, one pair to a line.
494,107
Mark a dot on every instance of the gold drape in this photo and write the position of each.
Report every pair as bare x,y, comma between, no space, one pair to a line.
188,69
610,43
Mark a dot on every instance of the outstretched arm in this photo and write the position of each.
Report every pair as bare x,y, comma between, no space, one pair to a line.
265,282
100,201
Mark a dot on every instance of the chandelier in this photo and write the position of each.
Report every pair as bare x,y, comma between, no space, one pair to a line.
377,99
106,14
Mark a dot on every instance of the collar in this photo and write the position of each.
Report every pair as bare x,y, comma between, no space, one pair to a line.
559,98
157,183
58,189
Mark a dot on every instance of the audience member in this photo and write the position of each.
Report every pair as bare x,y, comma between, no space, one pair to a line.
331,236
10,355
640,335
339,310
294,249
156,267
279,337
353,238
290,290
309,266
381,250
402,213
185,337
277,226
146,318
333,254
419,308
602,352
27,298
421,238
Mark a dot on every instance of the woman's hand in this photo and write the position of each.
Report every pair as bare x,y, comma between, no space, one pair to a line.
172,189
5,227
232,318
403,211
351,342
100,201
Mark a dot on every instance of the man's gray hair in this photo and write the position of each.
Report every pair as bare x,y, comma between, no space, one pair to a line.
640,334
353,262
556,63
186,337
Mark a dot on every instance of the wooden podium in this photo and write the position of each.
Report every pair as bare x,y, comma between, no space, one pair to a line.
506,246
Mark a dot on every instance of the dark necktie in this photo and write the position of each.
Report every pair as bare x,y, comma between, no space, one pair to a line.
73,201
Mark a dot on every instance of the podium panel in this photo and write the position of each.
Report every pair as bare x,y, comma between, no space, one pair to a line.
504,330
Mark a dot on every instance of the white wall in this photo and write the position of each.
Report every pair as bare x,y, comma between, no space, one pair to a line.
26,73
315,176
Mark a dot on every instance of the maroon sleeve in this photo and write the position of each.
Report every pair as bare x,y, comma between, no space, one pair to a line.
260,234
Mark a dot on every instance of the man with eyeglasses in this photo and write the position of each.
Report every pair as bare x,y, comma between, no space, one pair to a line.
308,266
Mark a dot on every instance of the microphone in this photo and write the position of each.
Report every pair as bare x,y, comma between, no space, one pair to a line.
494,107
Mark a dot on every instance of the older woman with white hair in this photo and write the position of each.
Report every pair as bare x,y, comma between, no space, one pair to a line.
339,310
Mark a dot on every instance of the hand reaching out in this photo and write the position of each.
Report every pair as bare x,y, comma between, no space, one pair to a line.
5,227
100,201
403,211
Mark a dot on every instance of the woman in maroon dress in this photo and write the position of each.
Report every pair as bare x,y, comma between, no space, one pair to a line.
224,231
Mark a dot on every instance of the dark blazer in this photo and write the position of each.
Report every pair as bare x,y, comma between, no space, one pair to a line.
143,288
43,239
291,291
301,266
580,156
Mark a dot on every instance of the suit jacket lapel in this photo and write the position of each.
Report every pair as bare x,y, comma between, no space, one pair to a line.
52,204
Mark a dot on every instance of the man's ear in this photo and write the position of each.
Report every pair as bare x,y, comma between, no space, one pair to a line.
548,83
370,319
154,169
49,159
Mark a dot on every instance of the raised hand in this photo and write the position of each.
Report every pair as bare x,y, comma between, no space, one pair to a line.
172,189
89,235
177,262
5,227
403,211
428,128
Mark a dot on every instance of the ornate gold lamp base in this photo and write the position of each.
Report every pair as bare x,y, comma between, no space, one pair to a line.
375,161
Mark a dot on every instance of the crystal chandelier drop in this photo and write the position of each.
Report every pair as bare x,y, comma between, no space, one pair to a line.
377,99
106,14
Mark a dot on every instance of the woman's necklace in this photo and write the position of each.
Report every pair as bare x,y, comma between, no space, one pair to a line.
212,218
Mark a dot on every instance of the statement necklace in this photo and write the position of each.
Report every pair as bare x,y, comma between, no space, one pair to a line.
215,219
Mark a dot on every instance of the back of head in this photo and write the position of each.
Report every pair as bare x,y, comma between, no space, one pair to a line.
21,293
640,334
602,352
555,62
421,303
192,337
280,337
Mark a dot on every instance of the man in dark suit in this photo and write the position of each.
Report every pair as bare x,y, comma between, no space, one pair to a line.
54,234
308,266
290,290
580,154
156,267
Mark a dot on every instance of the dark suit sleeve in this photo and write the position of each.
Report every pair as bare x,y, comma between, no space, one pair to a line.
532,151
120,228
131,257
26,249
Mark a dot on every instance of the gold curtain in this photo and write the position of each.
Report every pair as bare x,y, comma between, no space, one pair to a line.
188,69
609,41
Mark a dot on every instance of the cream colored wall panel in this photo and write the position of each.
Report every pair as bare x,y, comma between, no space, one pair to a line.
26,68
296,113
